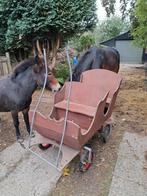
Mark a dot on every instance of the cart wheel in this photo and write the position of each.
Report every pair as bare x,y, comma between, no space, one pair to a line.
44,146
106,132
86,159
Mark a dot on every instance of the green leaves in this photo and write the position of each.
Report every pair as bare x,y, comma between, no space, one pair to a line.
110,28
24,20
61,73
86,40
140,28
109,6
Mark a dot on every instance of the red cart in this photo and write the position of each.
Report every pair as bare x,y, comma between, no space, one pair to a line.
89,110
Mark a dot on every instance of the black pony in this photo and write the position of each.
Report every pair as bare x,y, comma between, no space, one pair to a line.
97,58
17,88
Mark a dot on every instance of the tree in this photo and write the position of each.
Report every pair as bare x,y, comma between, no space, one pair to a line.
86,40
109,6
140,28
56,19
110,28
126,7
11,11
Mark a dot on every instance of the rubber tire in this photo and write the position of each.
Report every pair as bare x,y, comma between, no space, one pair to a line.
106,133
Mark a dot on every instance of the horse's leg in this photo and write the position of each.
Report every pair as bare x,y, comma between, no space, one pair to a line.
26,119
16,123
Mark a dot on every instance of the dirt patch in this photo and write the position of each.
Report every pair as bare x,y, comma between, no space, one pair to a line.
129,115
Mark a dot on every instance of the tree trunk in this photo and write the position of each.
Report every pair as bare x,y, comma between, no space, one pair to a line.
20,54
47,53
55,47
8,62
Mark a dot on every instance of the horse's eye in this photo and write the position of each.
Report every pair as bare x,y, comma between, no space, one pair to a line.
50,73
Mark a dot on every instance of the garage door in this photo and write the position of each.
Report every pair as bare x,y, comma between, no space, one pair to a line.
128,52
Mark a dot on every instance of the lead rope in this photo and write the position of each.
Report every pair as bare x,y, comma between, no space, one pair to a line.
67,108
40,97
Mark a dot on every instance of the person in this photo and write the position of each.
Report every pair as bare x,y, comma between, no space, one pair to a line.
75,60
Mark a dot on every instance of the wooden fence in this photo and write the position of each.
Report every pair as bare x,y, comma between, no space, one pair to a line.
5,65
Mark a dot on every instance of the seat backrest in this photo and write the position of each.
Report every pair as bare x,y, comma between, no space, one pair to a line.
102,79
85,94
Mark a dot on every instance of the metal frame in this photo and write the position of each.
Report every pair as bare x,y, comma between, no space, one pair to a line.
56,165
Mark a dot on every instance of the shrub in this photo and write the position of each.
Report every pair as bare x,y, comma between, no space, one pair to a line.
86,40
61,72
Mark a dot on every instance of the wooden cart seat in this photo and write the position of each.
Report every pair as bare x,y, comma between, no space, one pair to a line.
77,108
102,79
83,99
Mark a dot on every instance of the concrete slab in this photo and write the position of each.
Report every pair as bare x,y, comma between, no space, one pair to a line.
130,177
22,173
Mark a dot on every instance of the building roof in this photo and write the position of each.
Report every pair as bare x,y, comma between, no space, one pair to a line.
124,36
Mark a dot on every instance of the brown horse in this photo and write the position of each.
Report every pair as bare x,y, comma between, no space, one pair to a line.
97,58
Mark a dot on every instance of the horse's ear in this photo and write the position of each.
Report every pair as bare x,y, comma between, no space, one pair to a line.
40,57
40,54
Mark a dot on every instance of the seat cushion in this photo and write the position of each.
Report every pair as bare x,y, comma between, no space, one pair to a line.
77,108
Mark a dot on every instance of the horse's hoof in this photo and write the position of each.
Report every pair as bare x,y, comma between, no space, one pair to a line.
32,134
20,139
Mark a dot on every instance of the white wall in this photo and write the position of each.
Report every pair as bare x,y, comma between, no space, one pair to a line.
128,52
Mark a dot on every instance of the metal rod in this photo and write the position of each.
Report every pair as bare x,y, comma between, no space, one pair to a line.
66,114
43,159
40,97
67,108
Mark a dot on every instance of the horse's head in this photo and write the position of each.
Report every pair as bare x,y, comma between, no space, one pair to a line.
52,82
40,72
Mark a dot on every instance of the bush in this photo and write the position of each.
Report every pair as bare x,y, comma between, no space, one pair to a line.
86,40
61,73
82,42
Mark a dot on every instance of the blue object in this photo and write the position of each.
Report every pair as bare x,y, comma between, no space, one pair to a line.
75,60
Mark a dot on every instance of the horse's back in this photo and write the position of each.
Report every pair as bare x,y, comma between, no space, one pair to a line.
97,58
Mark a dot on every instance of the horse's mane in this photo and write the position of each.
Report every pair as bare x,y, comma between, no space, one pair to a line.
87,61
22,66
